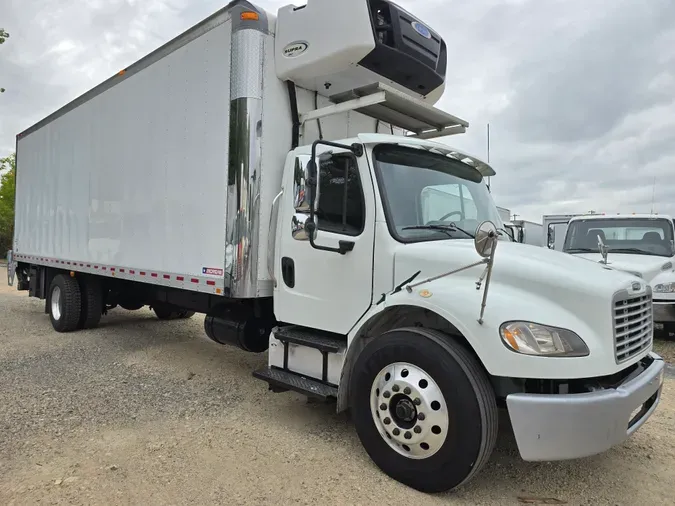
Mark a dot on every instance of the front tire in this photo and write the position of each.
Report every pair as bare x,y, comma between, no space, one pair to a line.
423,409
65,302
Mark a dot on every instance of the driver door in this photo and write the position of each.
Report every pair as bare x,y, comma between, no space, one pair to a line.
317,287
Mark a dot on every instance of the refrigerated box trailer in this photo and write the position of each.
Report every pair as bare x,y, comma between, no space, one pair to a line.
269,172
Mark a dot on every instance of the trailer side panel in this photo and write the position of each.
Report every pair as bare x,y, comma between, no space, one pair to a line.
136,176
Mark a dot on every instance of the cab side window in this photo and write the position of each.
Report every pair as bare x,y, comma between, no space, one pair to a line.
341,208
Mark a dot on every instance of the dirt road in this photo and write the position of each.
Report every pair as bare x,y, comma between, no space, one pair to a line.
148,412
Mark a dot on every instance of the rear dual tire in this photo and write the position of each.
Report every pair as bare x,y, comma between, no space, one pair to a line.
75,303
423,408
65,303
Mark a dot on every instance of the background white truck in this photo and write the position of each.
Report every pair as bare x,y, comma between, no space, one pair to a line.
527,232
641,244
237,171
522,231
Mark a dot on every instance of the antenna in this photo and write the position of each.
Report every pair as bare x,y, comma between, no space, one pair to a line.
653,191
488,150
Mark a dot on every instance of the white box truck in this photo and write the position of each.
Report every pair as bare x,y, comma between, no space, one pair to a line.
527,232
640,244
237,171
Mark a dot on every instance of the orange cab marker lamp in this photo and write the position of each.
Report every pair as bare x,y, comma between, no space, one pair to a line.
508,335
249,16
121,72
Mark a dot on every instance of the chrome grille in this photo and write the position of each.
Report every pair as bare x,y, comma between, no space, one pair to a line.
633,325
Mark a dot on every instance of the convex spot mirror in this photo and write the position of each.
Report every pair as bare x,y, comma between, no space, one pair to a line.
485,239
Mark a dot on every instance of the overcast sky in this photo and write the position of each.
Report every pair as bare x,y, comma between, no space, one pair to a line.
579,94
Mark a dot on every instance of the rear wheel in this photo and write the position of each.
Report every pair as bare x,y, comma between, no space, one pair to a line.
64,303
423,408
92,302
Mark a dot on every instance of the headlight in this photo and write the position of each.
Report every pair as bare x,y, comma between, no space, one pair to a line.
664,288
535,339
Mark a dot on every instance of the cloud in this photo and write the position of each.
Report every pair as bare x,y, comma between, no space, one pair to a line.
579,95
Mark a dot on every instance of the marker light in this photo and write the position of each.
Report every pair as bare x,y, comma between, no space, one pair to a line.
249,16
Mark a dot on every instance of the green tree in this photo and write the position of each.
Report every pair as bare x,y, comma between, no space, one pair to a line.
7,192
3,37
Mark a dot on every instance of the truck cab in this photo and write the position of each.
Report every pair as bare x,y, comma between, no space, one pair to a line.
640,244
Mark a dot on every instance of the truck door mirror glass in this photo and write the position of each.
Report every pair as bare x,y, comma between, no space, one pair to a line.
550,237
302,190
299,227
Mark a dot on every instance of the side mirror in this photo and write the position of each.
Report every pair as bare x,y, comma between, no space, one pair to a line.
306,195
299,227
485,239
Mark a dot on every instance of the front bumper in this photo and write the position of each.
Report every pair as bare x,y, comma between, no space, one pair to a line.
561,427
664,311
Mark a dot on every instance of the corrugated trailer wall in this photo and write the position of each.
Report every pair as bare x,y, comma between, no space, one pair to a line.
137,175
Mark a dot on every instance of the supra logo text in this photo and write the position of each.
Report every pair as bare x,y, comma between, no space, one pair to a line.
295,49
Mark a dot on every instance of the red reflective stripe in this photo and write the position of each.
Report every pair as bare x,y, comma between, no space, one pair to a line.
142,273
211,283
180,278
194,280
166,276
154,274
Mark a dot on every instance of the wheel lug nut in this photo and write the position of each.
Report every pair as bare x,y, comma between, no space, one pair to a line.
406,390
395,388
395,432
407,435
387,395
387,421
417,429
417,401
421,416
383,406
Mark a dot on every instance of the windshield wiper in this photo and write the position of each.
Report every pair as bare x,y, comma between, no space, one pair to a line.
505,233
634,250
442,228
580,250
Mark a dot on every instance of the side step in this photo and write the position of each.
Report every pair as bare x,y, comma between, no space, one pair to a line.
280,380
325,342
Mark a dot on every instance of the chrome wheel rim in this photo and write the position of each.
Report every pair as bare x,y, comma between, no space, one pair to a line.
409,410
56,303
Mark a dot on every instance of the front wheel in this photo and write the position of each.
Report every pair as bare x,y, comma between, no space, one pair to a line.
423,408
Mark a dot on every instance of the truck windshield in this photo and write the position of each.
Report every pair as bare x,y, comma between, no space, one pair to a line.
428,196
641,236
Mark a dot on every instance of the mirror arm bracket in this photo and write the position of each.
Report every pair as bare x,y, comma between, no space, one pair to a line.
344,247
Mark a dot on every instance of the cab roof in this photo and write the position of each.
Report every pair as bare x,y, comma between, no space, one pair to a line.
431,146
636,216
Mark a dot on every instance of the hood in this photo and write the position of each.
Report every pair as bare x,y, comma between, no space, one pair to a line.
644,266
529,268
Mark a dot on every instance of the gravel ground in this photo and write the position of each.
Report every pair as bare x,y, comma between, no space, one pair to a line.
147,412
